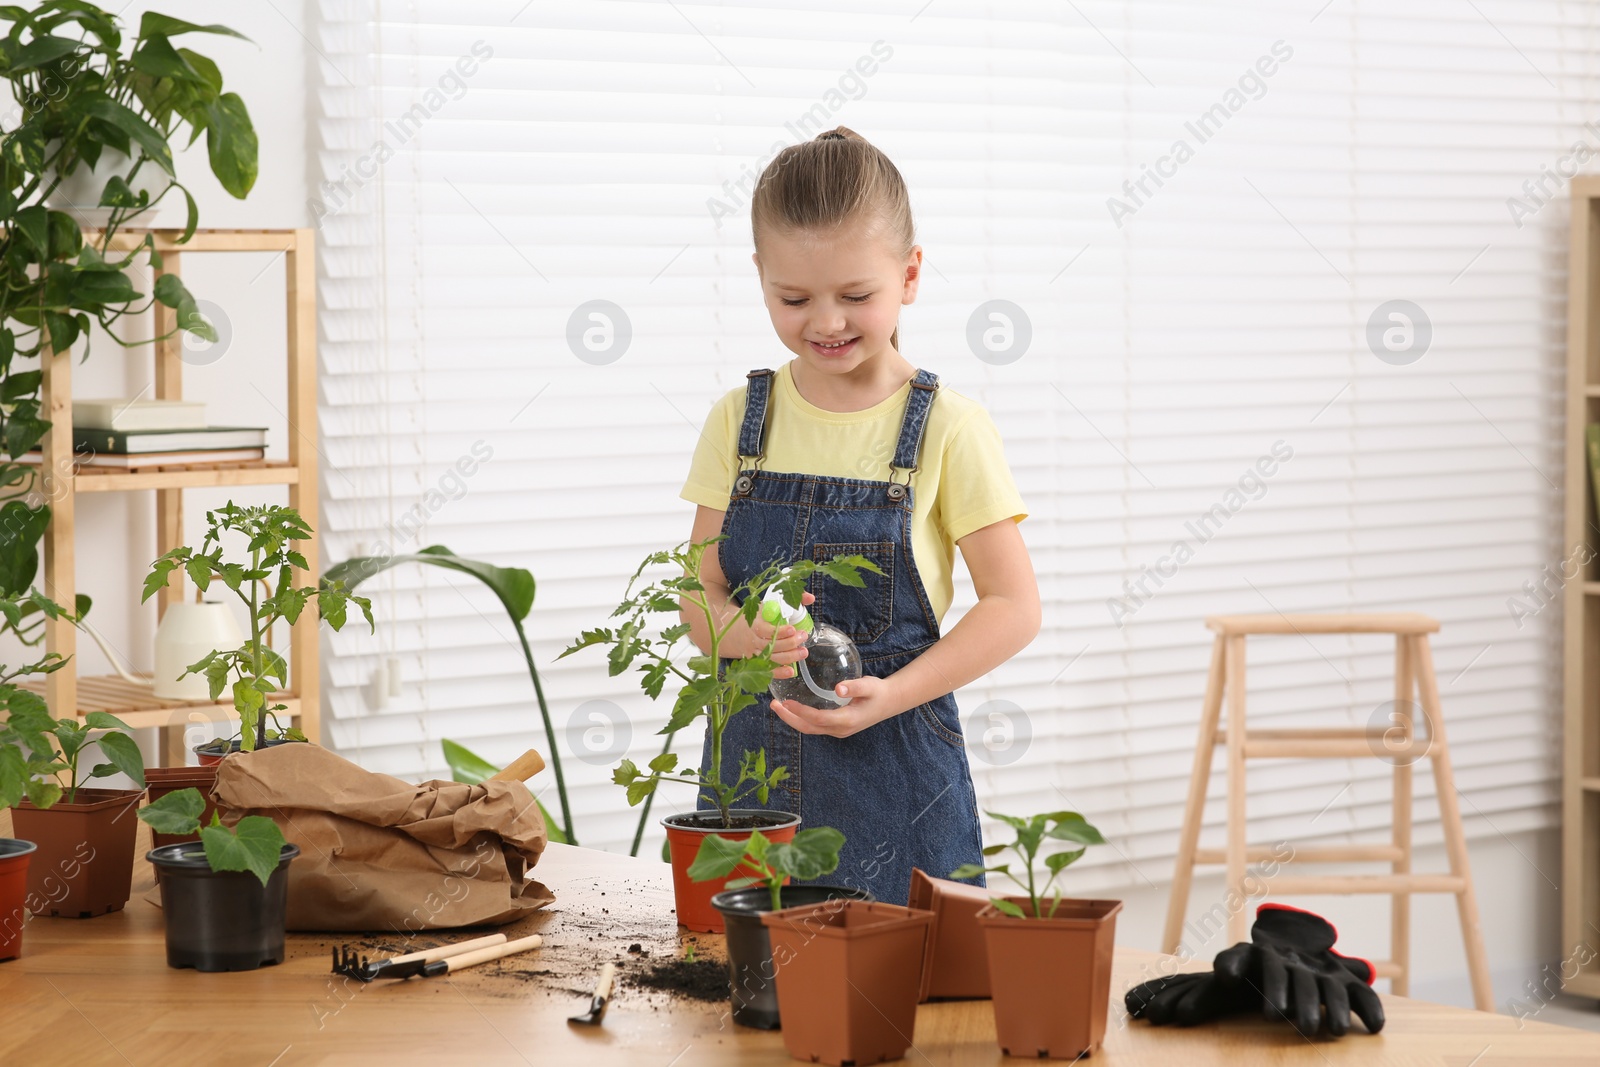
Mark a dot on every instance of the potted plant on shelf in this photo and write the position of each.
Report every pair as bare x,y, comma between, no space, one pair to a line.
226,894
271,532
89,144
84,865
812,854
1049,957
713,687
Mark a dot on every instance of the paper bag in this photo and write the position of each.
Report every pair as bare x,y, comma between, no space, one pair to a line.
378,853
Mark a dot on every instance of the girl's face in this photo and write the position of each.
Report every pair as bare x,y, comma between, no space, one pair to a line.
845,286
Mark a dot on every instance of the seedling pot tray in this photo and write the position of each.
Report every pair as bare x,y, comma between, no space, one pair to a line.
14,857
221,920
750,971
1051,978
956,964
848,977
159,781
684,834
84,865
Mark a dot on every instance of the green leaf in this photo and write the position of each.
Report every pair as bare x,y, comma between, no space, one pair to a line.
1056,861
1005,907
217,676
34,223
254,845
156,25
466,765
1010,820
176,813
514,586
95,288
1076,830
127,121
37,52
664,763
994,850
718,856
967,870
813,853
42,794
231,144
124,755
156,57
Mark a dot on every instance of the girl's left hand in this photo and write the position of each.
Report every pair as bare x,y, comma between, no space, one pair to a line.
872,700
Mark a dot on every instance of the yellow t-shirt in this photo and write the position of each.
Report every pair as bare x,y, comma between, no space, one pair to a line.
963,482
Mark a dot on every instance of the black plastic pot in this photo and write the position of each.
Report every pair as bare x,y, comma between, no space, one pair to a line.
212,752
750,969
220,920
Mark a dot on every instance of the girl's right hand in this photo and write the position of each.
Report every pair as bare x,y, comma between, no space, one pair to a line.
788,643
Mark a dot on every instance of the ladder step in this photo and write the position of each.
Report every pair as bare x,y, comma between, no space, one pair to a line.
1331,743
1327,854
1371,883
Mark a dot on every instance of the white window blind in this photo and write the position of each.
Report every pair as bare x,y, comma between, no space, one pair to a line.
1202,212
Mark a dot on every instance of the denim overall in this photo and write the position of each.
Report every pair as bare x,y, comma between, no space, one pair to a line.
900,791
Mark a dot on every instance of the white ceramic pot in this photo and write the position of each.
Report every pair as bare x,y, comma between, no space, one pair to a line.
186,634
79,192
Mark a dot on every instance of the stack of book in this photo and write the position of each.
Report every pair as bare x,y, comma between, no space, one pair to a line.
129,434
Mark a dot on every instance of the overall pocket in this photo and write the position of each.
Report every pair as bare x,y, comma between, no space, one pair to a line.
865,613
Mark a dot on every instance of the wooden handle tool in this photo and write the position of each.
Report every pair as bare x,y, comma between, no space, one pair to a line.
602,997
452,964
446,951
345,960
520,769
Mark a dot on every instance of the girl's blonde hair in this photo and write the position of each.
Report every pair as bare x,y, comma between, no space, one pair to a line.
837,178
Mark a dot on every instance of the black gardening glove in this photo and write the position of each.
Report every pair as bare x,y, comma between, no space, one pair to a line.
1291,963
1188,999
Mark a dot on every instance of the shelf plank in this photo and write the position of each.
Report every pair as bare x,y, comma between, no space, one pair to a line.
1592,785
138,707
203,240
192,476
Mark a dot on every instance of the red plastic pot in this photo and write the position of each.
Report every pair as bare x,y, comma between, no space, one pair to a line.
1050,978
14,857
684,834
848,976
84,865
159,781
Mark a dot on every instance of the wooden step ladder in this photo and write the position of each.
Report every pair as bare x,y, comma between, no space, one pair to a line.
1414,677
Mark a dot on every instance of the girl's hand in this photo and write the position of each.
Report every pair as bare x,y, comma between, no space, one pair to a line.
872,700
789,645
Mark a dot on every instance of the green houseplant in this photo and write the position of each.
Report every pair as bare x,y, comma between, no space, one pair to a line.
515,588
83,864
812,854
99,110
225,895
249,671
712,687
1049,957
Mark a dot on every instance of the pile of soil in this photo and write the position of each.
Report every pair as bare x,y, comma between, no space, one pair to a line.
696,979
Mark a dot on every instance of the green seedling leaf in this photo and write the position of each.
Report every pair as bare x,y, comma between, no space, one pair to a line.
124,755
254,845
1007,908
176,813
718,857
1056,861
812,854
966,871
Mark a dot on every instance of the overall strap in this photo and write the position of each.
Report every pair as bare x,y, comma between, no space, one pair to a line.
753,432
758,397
923,388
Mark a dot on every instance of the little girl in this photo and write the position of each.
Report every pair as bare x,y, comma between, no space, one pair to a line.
849,448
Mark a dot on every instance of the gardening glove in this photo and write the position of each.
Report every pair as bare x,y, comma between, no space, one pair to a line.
1290,962
1189,999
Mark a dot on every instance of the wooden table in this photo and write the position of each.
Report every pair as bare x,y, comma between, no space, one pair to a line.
98,991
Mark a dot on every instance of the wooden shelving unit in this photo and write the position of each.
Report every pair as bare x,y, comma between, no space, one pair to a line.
66,692
1580,793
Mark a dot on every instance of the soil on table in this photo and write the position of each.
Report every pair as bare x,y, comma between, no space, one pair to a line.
580,934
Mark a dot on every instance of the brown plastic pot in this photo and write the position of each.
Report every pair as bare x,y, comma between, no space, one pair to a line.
956,964
1051,978
84,866
685,831
159,781
750,972
848,977
14,857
